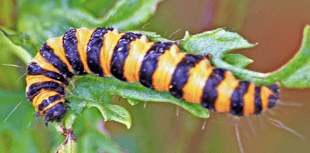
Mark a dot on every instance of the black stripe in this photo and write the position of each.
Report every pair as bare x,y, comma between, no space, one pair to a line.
181,74
236,99
274,88
50,100
210,90
93,51
35,88
70,44
34,69
52,58
43,105
257,100
120,54
150,62
272,101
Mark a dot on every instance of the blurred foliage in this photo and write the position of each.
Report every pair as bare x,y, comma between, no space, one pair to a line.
21,38
36,21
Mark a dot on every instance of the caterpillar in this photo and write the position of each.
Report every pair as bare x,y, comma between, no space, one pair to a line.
132,57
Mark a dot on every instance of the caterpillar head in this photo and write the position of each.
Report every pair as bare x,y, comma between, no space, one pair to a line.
55,113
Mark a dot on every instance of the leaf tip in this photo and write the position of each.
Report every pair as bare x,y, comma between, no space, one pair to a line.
186,36
306,31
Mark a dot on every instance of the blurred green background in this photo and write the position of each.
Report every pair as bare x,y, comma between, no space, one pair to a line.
277,27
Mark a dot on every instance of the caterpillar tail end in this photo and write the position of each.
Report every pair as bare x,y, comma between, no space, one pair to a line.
274,98
55,113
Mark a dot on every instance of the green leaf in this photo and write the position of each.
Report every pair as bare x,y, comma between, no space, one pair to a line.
90,88
120,14
10,75
115,113
68,120
10,47
153,36
24,40
130,13
94,141
296,73
237,60
93,94
218,43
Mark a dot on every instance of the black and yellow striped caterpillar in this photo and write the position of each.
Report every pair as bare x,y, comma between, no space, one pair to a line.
131,57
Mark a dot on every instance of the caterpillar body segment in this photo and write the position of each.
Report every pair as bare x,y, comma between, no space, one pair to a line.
131,57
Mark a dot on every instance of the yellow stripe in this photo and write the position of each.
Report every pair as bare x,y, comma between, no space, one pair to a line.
198,76
83,36
109,42
138,49
167,63
225,90
43,95
264,95
57,46
32,79
248,100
